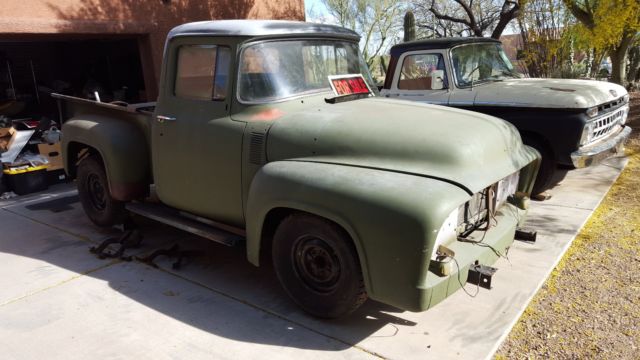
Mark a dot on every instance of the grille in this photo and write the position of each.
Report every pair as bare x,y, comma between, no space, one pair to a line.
610,105
606,124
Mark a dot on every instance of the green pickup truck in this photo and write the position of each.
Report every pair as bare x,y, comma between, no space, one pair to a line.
350,195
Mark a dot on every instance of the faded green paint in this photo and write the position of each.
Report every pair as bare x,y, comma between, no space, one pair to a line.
389,172
121,139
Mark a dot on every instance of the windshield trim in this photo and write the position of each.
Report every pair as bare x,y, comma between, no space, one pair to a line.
453,68
307,93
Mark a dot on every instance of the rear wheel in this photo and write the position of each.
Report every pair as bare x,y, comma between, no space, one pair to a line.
318,266
93,190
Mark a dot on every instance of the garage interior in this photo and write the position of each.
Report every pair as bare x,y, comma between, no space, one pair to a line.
32,68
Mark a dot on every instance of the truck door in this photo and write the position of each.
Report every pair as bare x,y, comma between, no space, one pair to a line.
421,76
196,146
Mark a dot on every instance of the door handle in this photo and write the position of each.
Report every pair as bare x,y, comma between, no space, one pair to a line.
162,118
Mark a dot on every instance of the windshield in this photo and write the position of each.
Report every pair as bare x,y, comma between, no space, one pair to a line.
281,69
477,63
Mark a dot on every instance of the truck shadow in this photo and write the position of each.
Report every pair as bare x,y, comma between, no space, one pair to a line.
196,293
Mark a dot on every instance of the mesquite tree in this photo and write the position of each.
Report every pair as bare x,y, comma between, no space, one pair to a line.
474,17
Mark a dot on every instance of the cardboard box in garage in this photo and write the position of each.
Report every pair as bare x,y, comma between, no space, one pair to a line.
7,135
53,153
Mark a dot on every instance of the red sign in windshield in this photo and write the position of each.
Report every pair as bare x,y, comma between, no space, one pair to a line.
348,85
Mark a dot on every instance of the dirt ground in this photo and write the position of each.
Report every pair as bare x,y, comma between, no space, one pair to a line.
590,306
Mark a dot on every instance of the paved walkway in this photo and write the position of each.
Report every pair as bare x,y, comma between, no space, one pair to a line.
57,301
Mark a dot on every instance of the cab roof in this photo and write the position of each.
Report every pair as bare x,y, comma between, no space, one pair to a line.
440,43
259,28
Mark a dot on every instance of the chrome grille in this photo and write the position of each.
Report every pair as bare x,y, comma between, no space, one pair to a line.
604,125
610,105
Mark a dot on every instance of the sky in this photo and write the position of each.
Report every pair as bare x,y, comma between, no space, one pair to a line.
316,11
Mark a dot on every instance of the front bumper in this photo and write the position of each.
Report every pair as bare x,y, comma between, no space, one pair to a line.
494,243
593,154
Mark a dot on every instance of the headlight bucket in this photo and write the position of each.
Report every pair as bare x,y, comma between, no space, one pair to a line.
587,133
447,233
625,115
592,112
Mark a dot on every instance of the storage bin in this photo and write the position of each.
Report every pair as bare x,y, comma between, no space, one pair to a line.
26,179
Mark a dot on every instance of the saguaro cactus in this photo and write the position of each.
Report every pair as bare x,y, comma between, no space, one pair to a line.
409,26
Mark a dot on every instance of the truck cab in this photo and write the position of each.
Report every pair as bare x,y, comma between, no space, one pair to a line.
274,132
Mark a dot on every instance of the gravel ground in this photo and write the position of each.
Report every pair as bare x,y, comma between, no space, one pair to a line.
590,306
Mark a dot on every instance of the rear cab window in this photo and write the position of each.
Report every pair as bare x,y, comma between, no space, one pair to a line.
419,71
202,72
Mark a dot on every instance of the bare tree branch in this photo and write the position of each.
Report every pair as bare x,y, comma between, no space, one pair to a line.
477,17
584,15
510,10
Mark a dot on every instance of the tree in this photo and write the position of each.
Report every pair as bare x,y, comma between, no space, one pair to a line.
477,18
547,50
633,75
429,26
375,20
608,25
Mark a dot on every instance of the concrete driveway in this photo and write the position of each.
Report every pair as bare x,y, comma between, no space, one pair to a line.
58,301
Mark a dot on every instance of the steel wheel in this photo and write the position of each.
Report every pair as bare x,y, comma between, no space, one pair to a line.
318,266
93,190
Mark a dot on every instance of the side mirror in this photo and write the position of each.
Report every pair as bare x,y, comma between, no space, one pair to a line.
437,82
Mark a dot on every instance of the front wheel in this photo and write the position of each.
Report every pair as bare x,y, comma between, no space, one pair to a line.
318,266
93,190
546,178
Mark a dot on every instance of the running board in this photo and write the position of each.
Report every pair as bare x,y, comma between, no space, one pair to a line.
172,217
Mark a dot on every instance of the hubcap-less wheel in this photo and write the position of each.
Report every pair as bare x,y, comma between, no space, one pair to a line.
93,190
97,194
317,264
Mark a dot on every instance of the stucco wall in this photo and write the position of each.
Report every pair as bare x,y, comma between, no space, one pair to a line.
150,19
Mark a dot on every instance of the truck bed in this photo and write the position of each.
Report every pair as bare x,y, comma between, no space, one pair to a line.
71,106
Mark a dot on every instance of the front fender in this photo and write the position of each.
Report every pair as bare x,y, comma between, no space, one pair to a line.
122,146
392,218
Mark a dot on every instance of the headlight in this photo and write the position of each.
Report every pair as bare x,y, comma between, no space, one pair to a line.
587,133
447,232
625,99
592,111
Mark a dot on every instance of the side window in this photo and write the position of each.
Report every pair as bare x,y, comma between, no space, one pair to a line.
202,72
421,72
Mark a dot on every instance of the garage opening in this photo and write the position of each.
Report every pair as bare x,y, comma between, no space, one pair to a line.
108,69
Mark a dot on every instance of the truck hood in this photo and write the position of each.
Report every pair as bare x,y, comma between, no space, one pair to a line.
466,148
547,93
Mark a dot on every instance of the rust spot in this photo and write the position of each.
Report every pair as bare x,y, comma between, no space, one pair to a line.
268,115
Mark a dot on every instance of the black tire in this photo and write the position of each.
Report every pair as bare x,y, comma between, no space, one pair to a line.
93,190
546,178
317,264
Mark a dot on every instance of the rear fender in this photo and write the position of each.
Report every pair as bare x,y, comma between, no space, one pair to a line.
122,147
